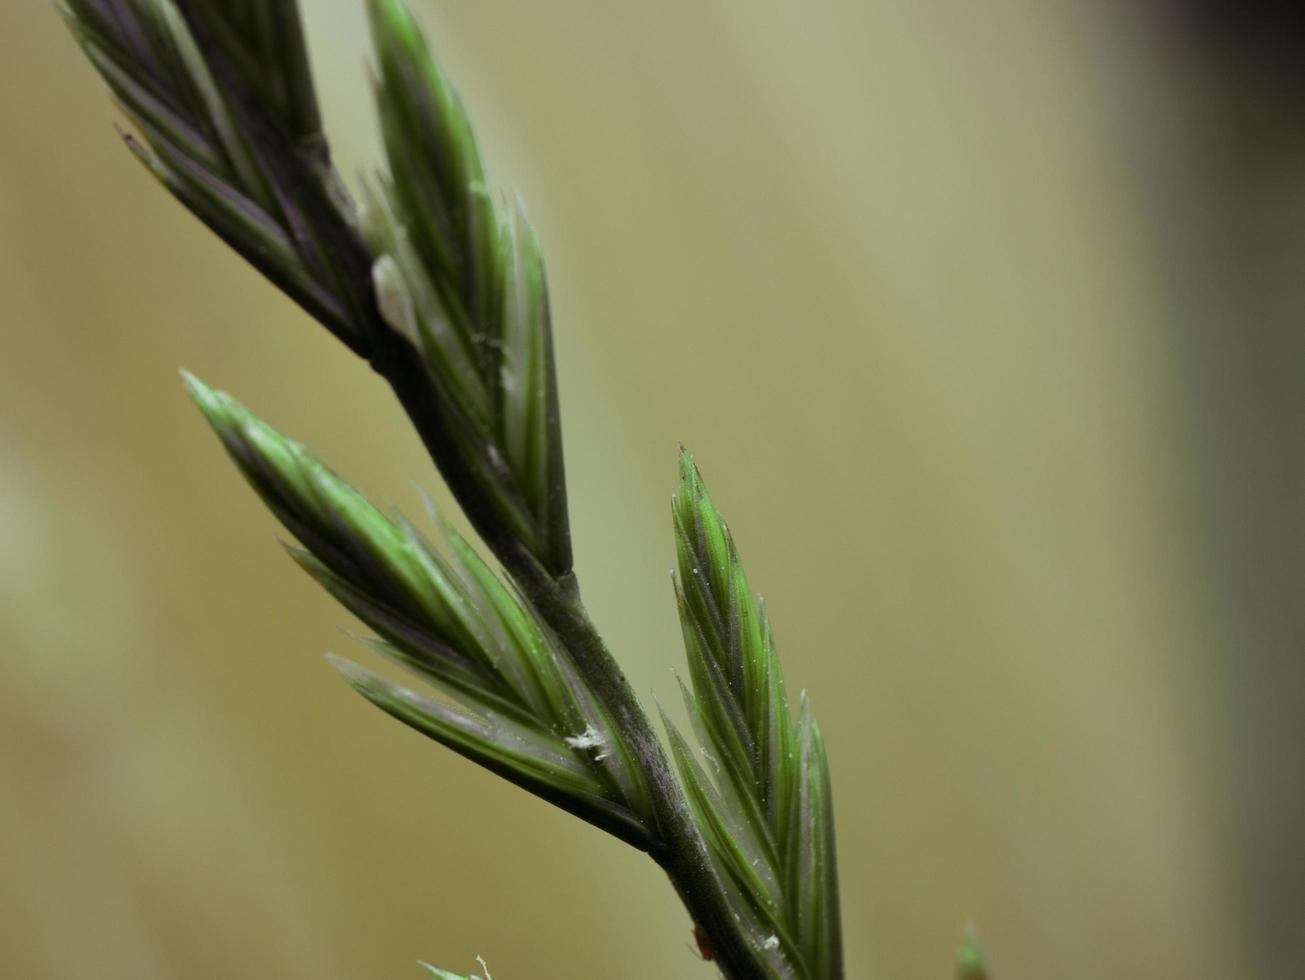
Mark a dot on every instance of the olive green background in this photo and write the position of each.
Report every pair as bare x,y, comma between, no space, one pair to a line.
981,321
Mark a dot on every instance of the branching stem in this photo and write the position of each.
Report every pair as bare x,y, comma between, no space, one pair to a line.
678,846
302,175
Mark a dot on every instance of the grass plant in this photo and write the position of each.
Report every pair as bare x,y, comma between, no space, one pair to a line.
438,283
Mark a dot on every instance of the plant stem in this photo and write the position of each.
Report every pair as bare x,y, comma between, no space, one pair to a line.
678,846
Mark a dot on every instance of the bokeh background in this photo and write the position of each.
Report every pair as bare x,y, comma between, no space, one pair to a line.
984,322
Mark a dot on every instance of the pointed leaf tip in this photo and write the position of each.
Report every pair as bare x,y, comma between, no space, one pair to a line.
354,674
217,406
197,390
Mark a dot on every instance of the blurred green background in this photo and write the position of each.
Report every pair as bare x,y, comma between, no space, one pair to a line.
983,322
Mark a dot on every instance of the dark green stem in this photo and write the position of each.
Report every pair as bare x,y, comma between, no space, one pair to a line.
678,846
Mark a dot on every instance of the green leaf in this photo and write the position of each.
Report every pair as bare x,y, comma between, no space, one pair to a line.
511,700
222,157
764,807
459,272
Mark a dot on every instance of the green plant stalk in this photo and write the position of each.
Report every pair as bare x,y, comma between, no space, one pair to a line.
678,848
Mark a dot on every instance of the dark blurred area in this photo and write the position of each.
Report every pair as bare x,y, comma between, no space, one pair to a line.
1220,130
985,324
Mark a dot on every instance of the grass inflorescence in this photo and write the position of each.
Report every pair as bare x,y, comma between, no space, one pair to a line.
438,282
